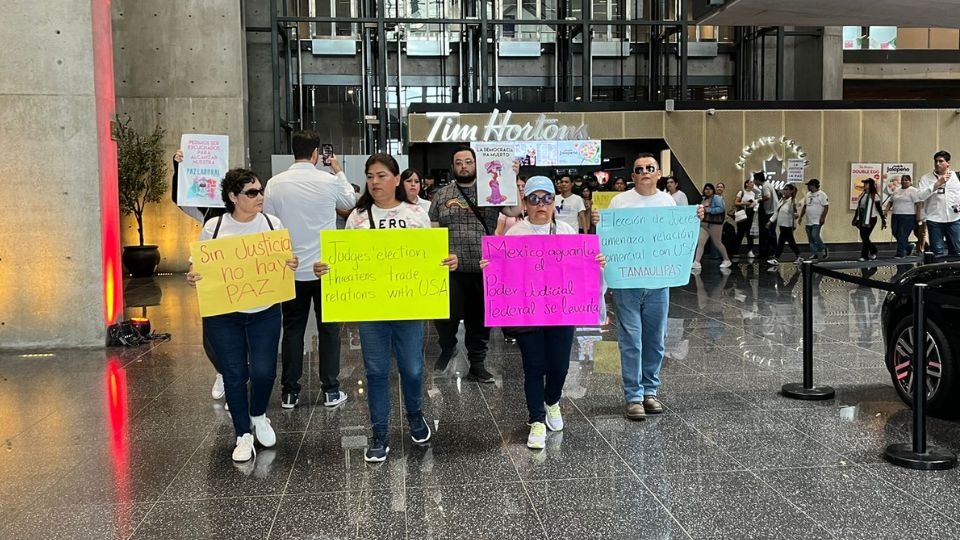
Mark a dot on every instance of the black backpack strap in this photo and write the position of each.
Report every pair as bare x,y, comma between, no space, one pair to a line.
216,230
473,206
269,223
553,226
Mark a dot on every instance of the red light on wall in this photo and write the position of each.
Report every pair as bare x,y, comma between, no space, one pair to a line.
107,150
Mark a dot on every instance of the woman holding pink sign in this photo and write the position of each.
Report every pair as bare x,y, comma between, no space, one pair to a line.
384,206
545,349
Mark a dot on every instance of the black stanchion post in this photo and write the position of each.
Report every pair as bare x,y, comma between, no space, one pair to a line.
806,390
917,455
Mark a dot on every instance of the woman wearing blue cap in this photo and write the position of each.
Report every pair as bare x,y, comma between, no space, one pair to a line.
545,349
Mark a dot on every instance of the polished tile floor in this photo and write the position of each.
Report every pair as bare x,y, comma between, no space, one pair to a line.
128,442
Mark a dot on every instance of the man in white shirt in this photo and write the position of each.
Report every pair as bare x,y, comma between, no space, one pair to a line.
642,313
769,204
940,193
815,207
306,200
570,207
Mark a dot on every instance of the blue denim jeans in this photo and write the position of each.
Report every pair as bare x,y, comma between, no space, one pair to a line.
546,358
377,341
246,346
937,232
642,327
902,227
816,242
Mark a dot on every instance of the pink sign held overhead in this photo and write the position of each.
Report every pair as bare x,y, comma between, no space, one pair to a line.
542,280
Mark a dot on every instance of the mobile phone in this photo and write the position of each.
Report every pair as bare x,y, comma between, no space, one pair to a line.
326,150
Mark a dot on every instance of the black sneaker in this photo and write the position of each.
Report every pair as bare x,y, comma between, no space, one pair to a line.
419,429
377,448
290,400
443,360
480,374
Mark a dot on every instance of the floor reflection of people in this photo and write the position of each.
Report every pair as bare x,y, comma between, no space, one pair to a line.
710,301
865,309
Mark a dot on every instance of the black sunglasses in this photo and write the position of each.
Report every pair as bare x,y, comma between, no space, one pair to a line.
536,200
649,169
252,193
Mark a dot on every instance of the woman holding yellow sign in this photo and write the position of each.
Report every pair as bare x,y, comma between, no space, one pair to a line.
385,206
246,341
545,350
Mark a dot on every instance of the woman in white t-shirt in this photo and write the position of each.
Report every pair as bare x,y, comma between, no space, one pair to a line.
746,201
385,206
545,350
245,342
784,218
413,187
907,209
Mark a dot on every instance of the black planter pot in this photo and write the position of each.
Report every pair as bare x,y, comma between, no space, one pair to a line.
141,261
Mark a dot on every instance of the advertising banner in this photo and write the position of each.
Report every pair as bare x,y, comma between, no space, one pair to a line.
891,177
860,172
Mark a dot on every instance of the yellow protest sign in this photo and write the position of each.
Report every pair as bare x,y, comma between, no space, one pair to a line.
385,275
243,272
601,199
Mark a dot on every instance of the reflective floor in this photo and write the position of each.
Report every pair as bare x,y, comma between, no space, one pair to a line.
129,443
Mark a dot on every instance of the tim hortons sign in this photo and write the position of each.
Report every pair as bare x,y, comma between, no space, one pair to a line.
447,128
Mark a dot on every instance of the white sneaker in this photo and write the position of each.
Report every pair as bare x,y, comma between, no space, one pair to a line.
260,425
244,450
750,254
217,392
773,262
726,264
537,439
695,266
554,419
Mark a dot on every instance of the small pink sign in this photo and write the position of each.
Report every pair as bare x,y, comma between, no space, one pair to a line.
542,280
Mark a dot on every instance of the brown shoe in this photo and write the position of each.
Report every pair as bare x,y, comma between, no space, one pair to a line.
652,405
635,411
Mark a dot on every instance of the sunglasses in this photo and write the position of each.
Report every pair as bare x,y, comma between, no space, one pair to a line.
648,169
536,200
252,193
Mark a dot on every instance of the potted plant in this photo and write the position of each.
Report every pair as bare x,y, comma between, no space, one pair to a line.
142,179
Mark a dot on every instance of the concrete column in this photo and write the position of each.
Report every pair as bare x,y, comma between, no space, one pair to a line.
182,65
50,252
833,62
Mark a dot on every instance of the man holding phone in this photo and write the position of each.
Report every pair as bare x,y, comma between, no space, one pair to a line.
306,200
940,193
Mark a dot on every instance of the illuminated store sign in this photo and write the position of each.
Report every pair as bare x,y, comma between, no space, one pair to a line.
447,128
772,155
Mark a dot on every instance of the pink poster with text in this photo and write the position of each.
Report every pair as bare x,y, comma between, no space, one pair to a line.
542,280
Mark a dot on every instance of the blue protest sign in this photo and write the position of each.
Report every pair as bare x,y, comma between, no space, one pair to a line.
648,248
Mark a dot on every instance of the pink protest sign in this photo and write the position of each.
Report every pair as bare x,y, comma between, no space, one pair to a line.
543,280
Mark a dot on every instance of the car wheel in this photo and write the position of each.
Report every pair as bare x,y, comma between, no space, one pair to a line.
942,396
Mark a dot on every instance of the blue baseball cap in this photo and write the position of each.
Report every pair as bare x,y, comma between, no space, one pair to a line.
538,183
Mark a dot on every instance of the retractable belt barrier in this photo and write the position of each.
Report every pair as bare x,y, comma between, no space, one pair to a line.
917,454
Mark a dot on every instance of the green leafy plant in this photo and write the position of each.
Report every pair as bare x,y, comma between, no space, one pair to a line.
141,167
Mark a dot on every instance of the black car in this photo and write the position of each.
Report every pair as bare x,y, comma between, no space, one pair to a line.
942,342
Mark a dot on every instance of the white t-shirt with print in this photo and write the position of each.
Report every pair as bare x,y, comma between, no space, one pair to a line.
526,228
815,202
680,198
632,199
569,208
402,216
231,227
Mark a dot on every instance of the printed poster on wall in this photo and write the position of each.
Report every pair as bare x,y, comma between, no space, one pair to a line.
205,163
496,181
860,172
795,168
578,152
891,177
553,153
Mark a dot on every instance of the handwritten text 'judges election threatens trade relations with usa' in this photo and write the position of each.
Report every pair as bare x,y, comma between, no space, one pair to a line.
542,280
385,275
243,272
648,248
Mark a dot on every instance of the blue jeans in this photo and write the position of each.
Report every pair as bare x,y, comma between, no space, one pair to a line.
642,327
246,346
937,232
546,358
902,227
377,341
816,242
